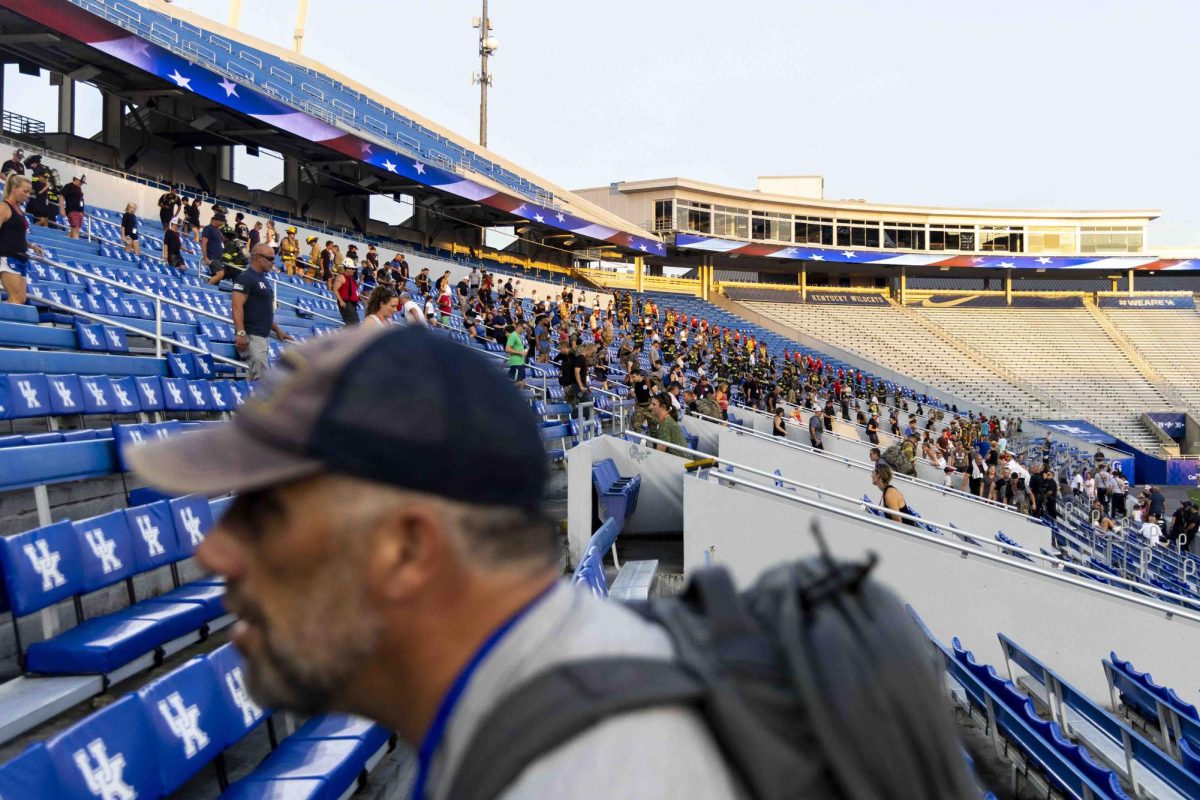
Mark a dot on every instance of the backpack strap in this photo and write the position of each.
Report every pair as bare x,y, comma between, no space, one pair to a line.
556,705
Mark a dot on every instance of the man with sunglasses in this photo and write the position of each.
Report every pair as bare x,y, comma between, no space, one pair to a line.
254,310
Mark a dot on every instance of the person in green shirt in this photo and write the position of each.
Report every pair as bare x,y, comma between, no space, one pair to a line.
517,350
662,409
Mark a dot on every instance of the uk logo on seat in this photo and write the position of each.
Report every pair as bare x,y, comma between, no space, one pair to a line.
191,524
105,550
91,337
176,395
251,711
184,722
122,396
151,397
97,392
45,563
28,394
150,533
64,393
106,779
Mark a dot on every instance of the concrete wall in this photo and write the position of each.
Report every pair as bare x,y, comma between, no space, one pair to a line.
1063,620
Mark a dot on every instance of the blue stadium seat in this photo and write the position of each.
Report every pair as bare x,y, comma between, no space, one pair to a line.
617,496
90,338
150,392
127,436
66,394
30,776
97,394
175,394
106,755
189,723
24,395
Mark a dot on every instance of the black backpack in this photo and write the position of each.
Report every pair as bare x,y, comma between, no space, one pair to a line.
815,684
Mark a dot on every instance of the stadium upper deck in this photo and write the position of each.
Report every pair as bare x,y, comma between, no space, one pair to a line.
790,219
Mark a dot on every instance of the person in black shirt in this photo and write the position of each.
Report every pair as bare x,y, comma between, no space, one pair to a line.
129,229
254,311
191,216
173,246
72,195
14,246
168,206
14,164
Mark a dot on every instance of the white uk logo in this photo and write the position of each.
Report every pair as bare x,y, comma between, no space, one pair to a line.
251,711
29,394
184,722
104,549
96,391
91,337
114,338
237,395
191,524
197,395
151,397
64,394
107,779
122,396
216,395
150,533
176,395
45,563
181,365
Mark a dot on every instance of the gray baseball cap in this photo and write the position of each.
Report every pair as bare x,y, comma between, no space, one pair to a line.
409,408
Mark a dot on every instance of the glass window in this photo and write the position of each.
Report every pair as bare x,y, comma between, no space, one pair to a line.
1049,240
857,233
814,230
1111,239
903,236
693,217
995,238
663,214
952,237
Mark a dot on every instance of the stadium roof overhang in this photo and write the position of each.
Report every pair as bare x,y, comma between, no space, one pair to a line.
211,109
735,254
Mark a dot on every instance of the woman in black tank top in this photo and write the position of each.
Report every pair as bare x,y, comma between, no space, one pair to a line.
14,246
892,498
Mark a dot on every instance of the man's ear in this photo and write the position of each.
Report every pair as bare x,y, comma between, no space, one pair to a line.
409,551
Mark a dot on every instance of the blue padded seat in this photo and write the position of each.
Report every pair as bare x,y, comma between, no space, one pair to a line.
186,711
107,750
337,762
30,776
24,395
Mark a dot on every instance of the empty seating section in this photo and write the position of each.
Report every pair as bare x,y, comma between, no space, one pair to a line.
67,561
312,91
1167,339
151,742
1068,354
883,334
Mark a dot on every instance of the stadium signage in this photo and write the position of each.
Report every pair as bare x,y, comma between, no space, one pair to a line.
839,299
1079,429
1148,302
1171,423
1182,471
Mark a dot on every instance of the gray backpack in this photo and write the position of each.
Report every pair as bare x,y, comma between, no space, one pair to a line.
895,458
815,684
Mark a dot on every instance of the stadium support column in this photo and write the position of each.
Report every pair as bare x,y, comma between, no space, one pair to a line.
1129,280
803,281
112,120
291,180
66,105
225,162
639,268
1008,287
903,286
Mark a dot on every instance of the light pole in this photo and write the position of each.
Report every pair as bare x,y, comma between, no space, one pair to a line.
488,45
301,16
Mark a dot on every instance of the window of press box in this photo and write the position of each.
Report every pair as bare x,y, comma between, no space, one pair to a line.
857,233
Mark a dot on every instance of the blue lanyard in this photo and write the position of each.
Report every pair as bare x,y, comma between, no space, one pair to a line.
437,731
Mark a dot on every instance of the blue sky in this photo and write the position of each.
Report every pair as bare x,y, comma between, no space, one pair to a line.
1021,104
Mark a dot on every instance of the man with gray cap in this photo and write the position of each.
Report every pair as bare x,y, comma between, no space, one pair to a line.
377,571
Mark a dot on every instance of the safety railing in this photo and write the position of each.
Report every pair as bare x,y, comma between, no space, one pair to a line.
965,537
159,301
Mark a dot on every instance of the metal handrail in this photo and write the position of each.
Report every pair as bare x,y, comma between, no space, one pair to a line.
778,440
1058,563
157,298
157,335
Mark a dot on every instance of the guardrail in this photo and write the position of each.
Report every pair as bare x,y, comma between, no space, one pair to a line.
1057,565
